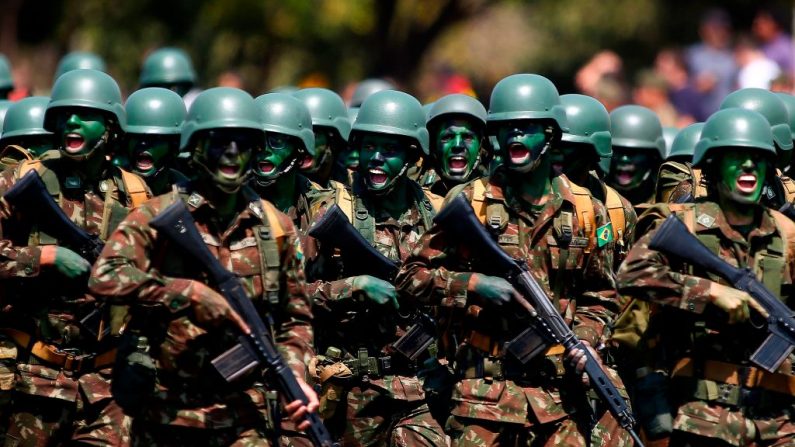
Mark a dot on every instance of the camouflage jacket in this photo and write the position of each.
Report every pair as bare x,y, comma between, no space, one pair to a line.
141,269
347,320
582,284
598,189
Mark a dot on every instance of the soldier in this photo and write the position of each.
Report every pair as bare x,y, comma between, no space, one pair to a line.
176,314
703,329
332,127
372,394
79,60
789,103
457,127
586,141
535,218
169,68
24,136
638,151
288,139
6,79
63,392
677,177
350,156
152,130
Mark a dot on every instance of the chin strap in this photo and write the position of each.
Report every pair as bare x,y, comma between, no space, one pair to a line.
82,157
264,183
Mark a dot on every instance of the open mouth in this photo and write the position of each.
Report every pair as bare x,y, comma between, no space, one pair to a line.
518,153
229,170
377,177
74,142
307,162
457,164
624,174
746,183
144,162
266,167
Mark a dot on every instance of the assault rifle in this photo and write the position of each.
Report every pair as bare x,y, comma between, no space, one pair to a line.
547,327
253,349
360,258
673,238
29,197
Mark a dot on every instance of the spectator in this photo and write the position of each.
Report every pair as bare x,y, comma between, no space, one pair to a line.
651,91
775,42
756,70
711,61
603,64
783,84
670,64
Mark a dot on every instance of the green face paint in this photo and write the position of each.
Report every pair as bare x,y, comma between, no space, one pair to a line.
742,175
311,164
79,131
276,156
630,167
457,149
148,154
382,160
350,158
225,155
522,143
571,159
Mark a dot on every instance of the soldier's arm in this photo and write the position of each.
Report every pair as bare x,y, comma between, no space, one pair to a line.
15,261
293,329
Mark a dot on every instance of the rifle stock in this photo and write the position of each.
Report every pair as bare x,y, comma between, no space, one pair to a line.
673,238
548,327
177,224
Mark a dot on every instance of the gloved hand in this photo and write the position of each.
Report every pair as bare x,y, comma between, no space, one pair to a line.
211,308
66,262
377,290
735,302
492,288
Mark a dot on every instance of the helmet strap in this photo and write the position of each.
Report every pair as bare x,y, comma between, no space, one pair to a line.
264,183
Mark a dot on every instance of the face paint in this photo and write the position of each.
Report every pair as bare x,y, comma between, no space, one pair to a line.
311,164
571,159
148,153
80,131
523,143
630,167
350,158
742,175
382,160
225,155
457,149
277,155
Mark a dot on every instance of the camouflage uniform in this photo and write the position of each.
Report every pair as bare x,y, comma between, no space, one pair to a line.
52,400
497,401
379,408
191,403
692,334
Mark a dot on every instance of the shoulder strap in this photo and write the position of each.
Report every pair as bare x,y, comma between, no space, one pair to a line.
14,154
615,210
268,236
272,216
135,187
586,217
787,229
26,166
479,199
435,199
344,200
789,187
699,189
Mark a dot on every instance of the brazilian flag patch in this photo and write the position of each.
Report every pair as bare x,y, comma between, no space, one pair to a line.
604,234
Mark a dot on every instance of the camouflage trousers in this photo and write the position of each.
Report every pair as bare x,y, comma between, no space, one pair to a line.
146,435
371,418
469,432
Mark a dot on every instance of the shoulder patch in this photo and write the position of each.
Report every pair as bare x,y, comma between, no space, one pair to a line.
705,220
604,234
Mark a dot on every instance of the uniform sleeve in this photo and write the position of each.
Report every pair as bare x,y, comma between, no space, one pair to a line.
15,261
294,335
647,275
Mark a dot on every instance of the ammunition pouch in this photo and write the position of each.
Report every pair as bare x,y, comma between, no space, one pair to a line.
134,374
547,366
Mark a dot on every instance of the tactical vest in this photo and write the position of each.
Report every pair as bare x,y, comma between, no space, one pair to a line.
788,185
615,212
12,155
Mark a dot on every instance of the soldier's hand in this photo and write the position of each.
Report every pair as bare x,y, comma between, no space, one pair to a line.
211,308
297,410
577,360
492,288
736,303
378,290
66,262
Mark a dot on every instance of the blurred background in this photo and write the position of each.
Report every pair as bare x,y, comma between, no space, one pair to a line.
674,56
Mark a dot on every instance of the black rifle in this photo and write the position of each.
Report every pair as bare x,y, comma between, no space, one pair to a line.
547,326
256,348
29,197
673,238
360,258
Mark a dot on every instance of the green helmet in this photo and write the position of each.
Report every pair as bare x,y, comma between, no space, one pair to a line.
685,142
457,104
25,118
394,113
91,89
4,106
220,107
527,96
637,127
367,88
789,103
155,110
734,127
6,80
669,133
589,123
167,66
77,60
285,114
353,112
768,105
327,109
